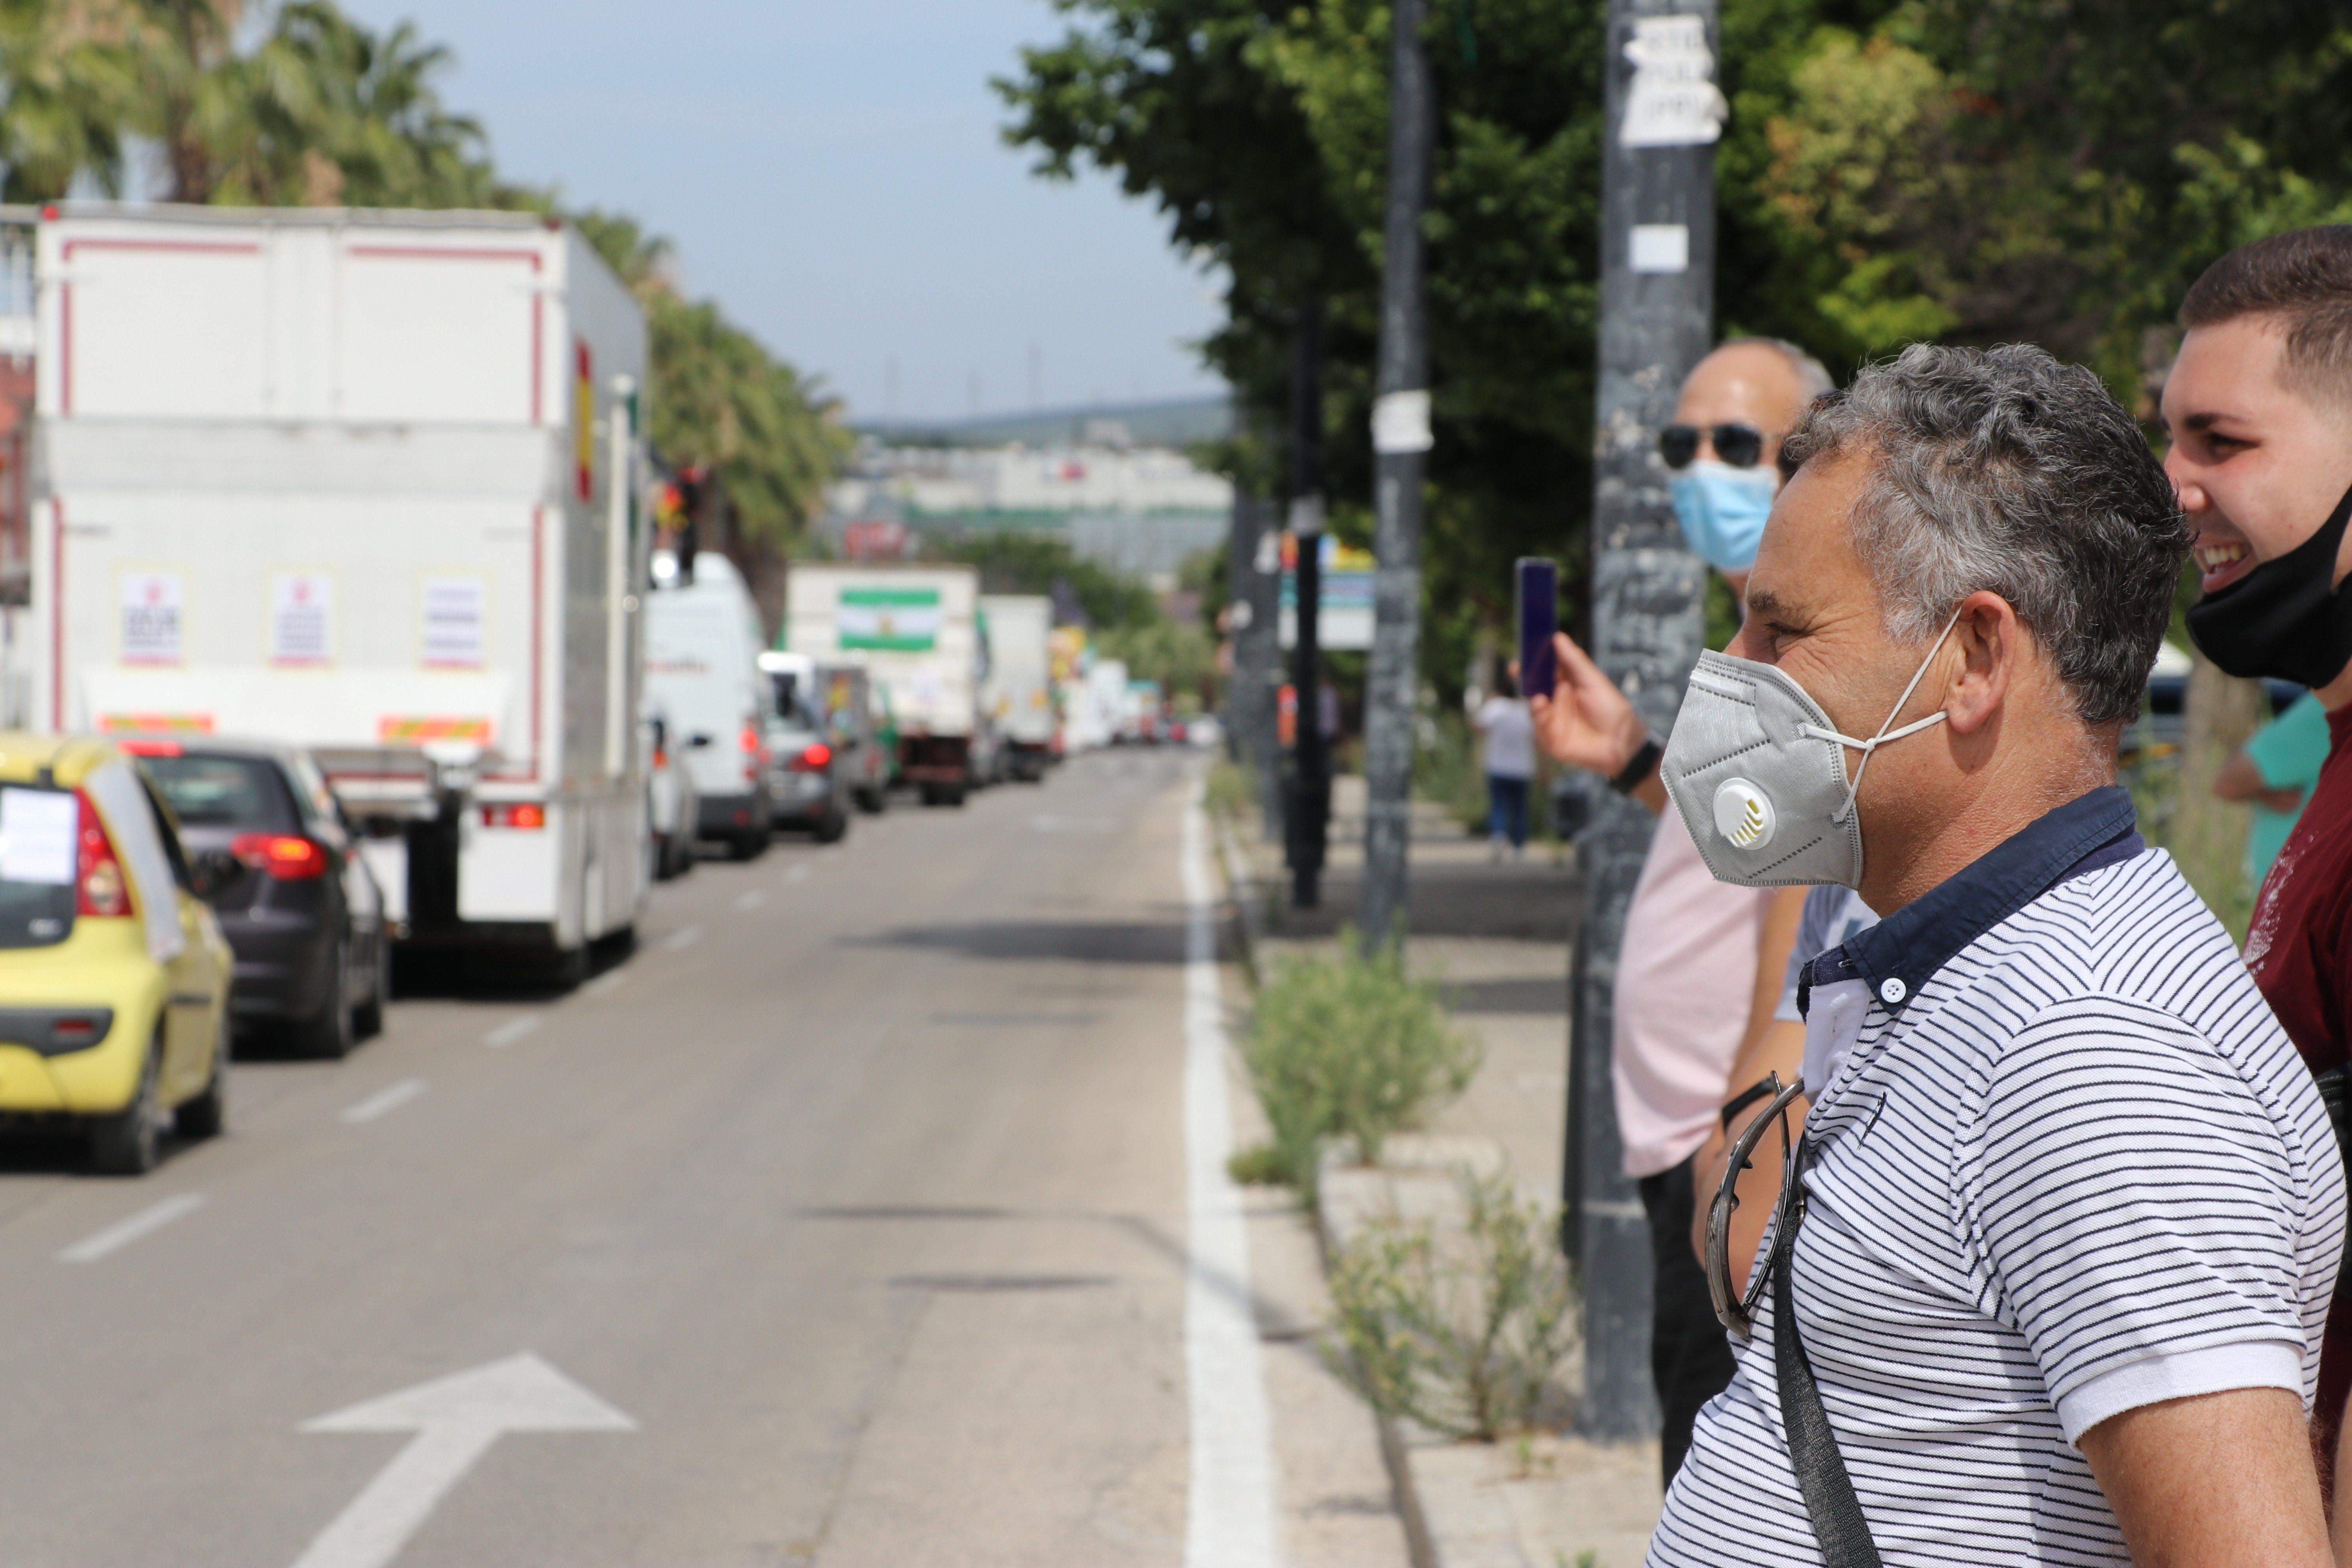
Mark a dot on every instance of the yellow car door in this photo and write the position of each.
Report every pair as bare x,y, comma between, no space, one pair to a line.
199,979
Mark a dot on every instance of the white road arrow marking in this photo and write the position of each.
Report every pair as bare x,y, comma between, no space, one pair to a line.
455,1419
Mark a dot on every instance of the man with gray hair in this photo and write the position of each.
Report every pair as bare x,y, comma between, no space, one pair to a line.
2047,1280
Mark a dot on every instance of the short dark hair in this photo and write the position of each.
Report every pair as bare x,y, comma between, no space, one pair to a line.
2003,470
2304,278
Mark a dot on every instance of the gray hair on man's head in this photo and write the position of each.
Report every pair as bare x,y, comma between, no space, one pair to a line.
1812,374
2004,471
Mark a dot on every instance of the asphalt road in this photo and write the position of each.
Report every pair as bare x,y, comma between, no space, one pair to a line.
843,1223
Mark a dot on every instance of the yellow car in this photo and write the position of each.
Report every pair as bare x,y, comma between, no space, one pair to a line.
113,976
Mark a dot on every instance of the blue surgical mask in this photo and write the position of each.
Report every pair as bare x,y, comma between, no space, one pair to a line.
1722,510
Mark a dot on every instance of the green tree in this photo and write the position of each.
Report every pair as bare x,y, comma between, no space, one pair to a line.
68,88
771,436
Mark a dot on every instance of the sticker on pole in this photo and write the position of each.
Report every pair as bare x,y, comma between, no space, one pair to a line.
1673,101
1401,423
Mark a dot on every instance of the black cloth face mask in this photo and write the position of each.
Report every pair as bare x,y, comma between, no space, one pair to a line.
2286,617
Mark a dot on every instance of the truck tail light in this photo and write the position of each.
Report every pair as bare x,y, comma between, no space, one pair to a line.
814,758
525,814
99,888
288,857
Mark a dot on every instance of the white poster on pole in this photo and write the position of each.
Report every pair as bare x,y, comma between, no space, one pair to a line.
454,610
301,618
151,617
1672,102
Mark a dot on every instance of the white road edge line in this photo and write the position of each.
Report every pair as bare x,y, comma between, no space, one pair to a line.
513,1029
751,900
680,941
1229,1517
391,1097
122,1233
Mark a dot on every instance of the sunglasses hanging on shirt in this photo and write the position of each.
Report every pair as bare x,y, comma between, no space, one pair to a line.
1740,446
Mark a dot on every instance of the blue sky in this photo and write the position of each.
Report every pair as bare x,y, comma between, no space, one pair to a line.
830,172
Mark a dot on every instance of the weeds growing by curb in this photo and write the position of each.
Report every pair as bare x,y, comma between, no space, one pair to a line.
1349,1047
1464,1335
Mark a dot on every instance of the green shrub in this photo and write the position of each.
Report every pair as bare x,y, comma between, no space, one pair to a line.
1465,1336
1348,1046
1229,792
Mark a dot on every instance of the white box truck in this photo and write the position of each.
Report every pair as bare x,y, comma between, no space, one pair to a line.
1018,692
364,482
915,629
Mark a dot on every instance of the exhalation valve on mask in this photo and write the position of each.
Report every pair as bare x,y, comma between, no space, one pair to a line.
1757,773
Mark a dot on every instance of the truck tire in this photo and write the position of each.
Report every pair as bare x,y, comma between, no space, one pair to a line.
873,800
944,795
367,1018
129,1142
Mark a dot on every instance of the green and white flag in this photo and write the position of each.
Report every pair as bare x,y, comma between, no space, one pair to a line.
889,620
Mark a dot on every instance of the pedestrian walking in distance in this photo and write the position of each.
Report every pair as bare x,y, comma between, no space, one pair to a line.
2048,1276
1506,748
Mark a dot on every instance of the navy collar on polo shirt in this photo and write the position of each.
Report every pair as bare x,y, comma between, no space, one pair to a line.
1902,952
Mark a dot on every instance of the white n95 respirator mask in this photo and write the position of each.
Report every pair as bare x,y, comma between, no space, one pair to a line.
1757,771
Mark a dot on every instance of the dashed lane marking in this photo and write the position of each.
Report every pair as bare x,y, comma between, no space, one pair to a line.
797,874
680,941
390,1098
610,980
751,900
122,1233
513,1029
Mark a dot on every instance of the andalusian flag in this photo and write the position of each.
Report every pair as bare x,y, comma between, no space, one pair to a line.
889,620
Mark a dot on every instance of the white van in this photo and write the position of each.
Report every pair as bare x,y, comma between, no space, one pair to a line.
702,675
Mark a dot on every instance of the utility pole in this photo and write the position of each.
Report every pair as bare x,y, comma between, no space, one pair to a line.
1307,810
1252,571
1400,443
1657,285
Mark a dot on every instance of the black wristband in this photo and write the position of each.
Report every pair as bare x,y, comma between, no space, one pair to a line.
1639,766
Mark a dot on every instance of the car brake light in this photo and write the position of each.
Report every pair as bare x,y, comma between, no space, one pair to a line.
151,748
99,888
520,814
288,857
813,757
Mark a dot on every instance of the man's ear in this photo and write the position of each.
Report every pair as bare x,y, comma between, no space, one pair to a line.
1984,652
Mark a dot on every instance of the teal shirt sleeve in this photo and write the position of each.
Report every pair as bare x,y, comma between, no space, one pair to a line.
2288,751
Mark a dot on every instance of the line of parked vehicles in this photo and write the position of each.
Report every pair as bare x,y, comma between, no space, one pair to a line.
346,629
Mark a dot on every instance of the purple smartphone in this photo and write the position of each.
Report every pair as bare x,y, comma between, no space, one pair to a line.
1539,613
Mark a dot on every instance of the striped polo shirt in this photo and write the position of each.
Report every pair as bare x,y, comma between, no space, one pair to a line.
2071,1166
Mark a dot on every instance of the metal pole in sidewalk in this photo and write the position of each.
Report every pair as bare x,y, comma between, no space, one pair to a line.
1400,443
1308,811
1657,284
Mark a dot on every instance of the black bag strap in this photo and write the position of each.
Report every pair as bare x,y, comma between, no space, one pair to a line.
1829,1502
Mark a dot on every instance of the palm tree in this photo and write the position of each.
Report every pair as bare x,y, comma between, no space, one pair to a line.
68,84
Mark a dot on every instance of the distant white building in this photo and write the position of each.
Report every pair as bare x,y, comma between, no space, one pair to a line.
1140,510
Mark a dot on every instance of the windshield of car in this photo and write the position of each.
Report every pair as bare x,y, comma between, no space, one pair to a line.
223,791
39,832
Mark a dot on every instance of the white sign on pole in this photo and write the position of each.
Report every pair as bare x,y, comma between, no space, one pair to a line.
151,617
1673,101
1401,423
454,612
1661,248
301,618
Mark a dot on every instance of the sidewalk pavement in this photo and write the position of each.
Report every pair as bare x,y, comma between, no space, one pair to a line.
1496,936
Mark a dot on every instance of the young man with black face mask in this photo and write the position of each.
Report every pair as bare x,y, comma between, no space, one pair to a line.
2259,407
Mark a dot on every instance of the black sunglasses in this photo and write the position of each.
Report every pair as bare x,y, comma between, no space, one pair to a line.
1741,445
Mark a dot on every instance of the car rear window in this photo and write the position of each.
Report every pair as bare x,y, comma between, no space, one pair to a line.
39,834
223,791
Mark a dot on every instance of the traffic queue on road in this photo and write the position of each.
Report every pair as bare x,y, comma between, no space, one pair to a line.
356,627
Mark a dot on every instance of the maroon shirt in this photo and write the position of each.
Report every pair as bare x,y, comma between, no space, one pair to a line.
2299,946
2299,949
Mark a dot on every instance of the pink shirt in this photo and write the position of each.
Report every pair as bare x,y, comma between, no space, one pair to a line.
1685,978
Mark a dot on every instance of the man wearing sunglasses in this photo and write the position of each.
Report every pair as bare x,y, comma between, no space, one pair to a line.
2049,1274
1698,972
